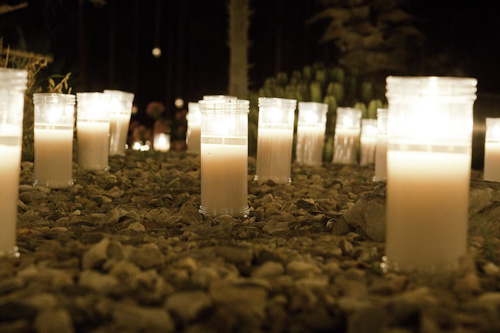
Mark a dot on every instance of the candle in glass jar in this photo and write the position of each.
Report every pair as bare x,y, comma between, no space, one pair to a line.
120,111
368,141
346,139
12,88
92,127
311,127
193,135
428,165
161,142
492,150
53,144
224,157
381,151
275,139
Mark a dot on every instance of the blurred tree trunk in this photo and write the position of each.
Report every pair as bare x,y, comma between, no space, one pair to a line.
239,22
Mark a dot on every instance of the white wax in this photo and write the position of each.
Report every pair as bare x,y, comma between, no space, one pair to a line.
491,161
10,168
274,155
53,156
310,141
118,132
92,144
427,209
381,158
193,138
161,142
345,146
224,183
368,147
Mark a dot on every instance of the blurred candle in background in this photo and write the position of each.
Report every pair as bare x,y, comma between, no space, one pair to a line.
193,135
381,151
492,150
120,106
311,127
428,171
161,142
12,88
347,133
275,139
92,130
224,157
368,141
54,120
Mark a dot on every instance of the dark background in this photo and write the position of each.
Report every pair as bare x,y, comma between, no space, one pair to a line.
109,46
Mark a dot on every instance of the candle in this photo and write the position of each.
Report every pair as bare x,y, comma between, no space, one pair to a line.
54,118
275,139
368,141
224,157
311,133
381,151
193,135
120,108
428,165
161,142
92,130
492,150
346,139
12,87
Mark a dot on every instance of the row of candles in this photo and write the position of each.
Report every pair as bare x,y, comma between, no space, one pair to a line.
428,157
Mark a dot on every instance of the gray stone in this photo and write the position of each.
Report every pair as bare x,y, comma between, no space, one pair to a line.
147,256
133,318
96,255
99,282
235,255
188,305
268,269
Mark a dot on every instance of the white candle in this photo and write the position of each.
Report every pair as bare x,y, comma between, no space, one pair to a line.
428,165
224,157
53,156
368,141
120,110
224,170
274,154
381,150
347,134
492,150
9,178
161,142
275,139
92,144
193,135
427,209
118,133
311,133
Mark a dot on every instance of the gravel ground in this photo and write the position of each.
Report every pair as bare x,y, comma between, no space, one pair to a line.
127,250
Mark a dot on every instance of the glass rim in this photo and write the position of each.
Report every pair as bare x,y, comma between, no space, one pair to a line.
279,102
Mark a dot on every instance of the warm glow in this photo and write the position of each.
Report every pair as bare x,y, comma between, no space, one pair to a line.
53,115
275,115
156,52
347,121
179,102
311,117
162,142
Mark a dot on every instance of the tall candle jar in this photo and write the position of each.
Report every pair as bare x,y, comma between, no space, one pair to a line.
193,135
381,151
120,111
428,164
275,139
224,157
92,130
311,126
347,133
368,141
54,120
12,88
491,170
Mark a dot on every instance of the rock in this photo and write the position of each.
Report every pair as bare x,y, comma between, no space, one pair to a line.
368,319
96,255
136,226
101,283
301,269
146,256
134,318
235,255
268,270
16,310
188,305
58,320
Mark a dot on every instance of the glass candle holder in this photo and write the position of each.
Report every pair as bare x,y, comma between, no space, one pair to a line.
161,142
120,111
275,139
368,141
12,88
346,139
428,164
92,130
224,157
54,119
193,135
381,151
311,128
492,150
